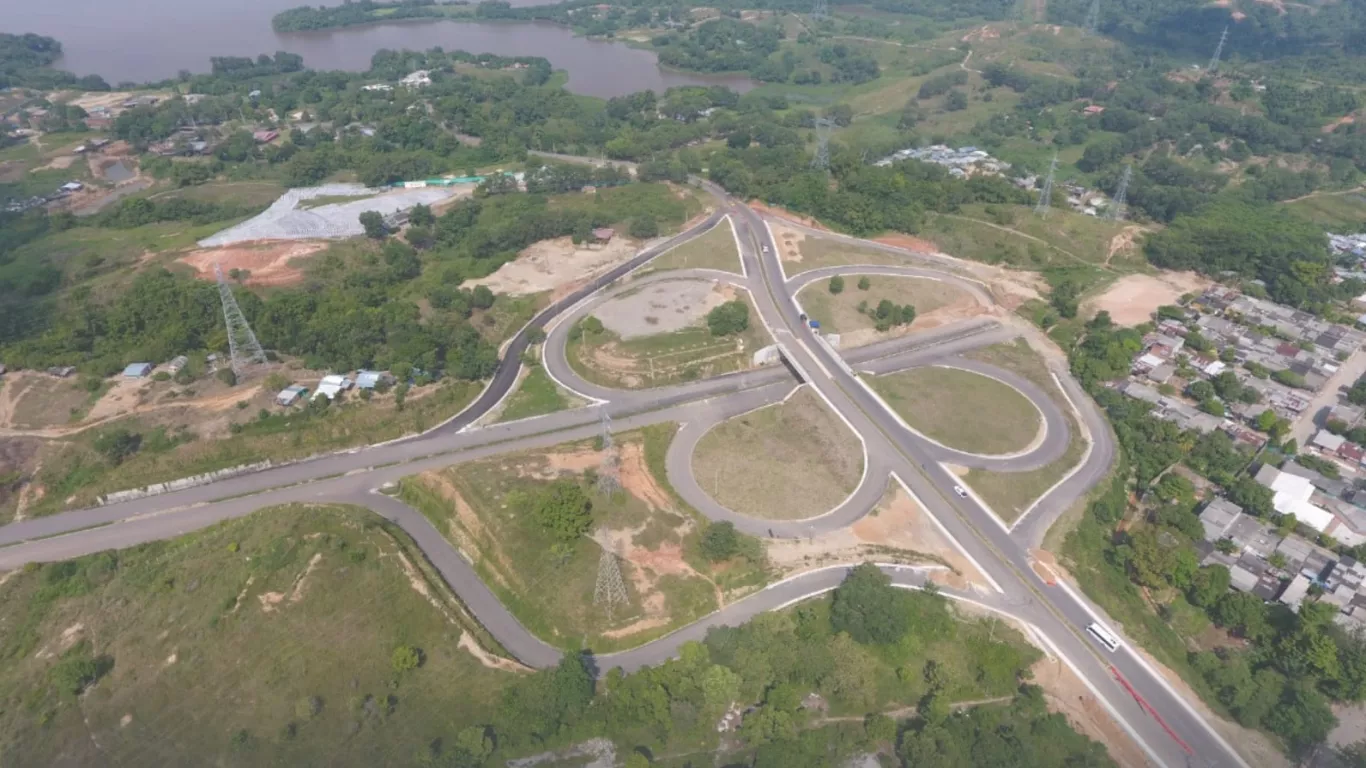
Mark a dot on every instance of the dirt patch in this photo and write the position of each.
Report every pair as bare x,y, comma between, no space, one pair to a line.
663,307
1133,299
10,393
575,463
908,242
1068,695
268,263
552,265
467,530
110,99
1341,121
636,627
783,213
59,163
301,583
476,650
1123,242
899,530
270,600
636,478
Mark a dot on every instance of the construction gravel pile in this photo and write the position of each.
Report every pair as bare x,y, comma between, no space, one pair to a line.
284,220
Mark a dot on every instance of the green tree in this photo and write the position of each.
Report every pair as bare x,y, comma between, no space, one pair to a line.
643,227
406,658
869,608
728,318
116,445
720,541
564,510
374,225
864,283
837,284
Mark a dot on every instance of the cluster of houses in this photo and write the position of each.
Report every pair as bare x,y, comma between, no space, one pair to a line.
334,384
1241,330
1289,568
962,162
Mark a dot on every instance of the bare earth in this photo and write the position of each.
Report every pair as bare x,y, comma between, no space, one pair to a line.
269,263
662,307
1067,694
899,530
552,264
1133,298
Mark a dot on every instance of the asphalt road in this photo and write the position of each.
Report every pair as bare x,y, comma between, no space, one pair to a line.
1055,614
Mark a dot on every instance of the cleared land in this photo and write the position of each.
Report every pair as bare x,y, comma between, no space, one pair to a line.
1011,493
1342,212
785,462
801,252
1132,299
962,409
553,264
266,640
654,360
482,507
1012,235
535,396
713,250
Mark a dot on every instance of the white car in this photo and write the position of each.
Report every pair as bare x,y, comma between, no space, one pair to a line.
962,494
765,249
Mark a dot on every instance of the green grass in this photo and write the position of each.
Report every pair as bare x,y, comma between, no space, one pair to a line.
1010,493
817,252
788,461
245,193
321,200
508,314
1011,235
1341,212
713,250
840,313
550,591
961,409
665,358
78,473
190,671
537,395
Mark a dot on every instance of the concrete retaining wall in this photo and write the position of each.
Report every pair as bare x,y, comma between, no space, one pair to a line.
182,483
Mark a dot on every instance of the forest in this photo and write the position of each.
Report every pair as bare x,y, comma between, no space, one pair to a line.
348,14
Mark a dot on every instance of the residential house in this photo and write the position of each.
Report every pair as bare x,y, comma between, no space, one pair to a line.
177,364
332,385
1217,516
372,379
1295,592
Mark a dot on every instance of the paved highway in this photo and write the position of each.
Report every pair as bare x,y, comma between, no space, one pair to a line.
1055,614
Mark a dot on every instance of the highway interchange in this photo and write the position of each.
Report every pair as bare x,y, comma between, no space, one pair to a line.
1055,615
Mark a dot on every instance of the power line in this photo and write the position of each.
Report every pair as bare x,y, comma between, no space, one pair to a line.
1046,196
824,126
1092,23
608,479
1218,50
1116,212
243,348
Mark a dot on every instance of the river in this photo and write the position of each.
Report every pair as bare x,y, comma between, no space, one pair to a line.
146,40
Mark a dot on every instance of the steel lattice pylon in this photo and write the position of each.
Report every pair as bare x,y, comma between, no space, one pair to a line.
243,349
823,128
1092,23
1116,212
608,481
610,591
1046,196
1218,51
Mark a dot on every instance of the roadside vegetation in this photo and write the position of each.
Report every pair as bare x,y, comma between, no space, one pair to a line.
536,395
873,302
713,250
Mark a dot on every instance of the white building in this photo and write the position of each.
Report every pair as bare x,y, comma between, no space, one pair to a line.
1291,497
331,386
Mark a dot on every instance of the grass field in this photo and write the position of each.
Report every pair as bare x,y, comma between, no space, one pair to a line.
713,250
246,193
1014,236
961,409
840,312
1011,493
665,358
784,462
215,643
536,395
1343,213
482,507
818,252
508,314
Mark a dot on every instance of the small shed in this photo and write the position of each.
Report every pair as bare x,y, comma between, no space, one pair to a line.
177,364
372,379
332,385
72,186
290,395
137,370
604,234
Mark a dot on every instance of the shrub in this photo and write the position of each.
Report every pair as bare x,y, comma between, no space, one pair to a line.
406,658
728,318
837,285
864,283
227,376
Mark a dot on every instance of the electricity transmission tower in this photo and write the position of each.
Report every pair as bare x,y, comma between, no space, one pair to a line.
1046,196
1218,50
610,590
823,128
821,10
243,347
1092,22
608,480
1116,212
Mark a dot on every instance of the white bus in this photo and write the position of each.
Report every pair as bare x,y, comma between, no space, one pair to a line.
1105,636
